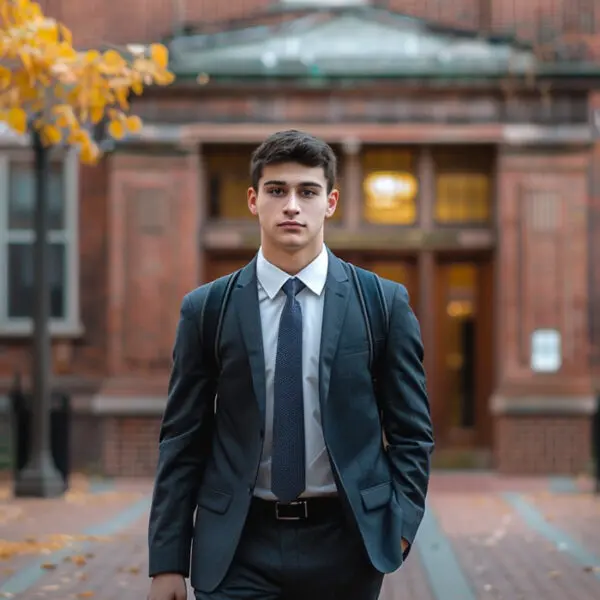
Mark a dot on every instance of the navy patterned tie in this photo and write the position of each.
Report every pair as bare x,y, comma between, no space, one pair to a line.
288,461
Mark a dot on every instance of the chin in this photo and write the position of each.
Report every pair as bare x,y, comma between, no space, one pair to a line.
292,242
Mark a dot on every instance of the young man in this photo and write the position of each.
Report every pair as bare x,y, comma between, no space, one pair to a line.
296,495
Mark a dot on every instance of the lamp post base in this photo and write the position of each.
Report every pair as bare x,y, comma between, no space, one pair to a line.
40,479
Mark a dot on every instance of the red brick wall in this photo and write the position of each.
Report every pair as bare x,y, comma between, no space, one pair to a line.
130,446
538,445
96,21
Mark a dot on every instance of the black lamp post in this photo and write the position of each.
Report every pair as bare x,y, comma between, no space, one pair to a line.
40,477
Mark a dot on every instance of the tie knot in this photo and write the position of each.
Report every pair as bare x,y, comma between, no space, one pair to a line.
292,287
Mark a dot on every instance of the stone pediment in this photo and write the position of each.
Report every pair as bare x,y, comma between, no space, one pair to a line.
365,42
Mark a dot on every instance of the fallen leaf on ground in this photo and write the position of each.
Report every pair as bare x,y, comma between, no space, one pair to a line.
554,574
48,566
88,594
48,545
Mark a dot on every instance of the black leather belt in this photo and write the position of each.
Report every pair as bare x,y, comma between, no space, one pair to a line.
307,509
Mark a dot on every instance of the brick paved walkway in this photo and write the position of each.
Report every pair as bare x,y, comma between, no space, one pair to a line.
484,537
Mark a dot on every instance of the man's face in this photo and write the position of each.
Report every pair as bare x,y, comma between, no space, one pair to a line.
292,204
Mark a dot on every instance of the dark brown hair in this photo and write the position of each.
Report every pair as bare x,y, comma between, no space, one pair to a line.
294,146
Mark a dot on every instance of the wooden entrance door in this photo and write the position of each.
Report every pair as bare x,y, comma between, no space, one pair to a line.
463,375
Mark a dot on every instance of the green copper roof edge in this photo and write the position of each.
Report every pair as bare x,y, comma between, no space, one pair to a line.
563,72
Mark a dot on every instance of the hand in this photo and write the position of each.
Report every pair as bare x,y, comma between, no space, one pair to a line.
168,586
405,545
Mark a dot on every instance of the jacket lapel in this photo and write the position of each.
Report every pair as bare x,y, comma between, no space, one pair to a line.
334,313
245,300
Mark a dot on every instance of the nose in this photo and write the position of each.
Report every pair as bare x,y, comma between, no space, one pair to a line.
292,206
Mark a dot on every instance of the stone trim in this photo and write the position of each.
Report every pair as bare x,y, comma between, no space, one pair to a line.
150,406
542,406
493,133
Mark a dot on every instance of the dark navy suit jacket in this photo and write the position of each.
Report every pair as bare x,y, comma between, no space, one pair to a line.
208,459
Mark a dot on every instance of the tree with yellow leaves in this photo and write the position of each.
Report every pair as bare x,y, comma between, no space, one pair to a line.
49,87
58,95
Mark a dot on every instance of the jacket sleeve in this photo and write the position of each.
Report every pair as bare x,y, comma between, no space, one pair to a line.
184,445
406,414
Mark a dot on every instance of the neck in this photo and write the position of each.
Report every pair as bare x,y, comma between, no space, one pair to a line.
291,262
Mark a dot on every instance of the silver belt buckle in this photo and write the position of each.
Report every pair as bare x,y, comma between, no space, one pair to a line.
296,503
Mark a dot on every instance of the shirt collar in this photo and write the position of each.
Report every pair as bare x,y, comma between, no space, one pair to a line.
272,278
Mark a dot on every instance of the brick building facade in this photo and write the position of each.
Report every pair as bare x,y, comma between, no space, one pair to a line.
467,170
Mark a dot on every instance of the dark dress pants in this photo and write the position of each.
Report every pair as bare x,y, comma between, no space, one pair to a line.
320,559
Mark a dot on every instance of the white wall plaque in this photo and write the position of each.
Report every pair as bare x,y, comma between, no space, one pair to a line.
546,354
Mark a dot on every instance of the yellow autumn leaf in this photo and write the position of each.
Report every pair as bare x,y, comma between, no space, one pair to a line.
89,153
5,77
17,119
160,55
66,35
65,51
96,114
77,136
91,56
47,34
164,78
121,97
116,130
133,123
51,134
137,87
113,59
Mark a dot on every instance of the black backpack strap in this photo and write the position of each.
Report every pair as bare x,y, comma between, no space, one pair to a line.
211,318
375,311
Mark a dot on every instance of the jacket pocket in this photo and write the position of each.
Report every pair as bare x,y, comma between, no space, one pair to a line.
214,500
377,496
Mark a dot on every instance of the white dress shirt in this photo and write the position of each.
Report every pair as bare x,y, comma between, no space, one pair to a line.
271,299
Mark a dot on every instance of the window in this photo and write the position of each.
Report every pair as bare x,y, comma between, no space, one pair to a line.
17,237
390,186
463,186
462,198
228,176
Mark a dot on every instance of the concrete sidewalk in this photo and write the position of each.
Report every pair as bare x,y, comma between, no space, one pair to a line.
483,537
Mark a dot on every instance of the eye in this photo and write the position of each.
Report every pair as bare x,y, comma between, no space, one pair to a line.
277,191
308,193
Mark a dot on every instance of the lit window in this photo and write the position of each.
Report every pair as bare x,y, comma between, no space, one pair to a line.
462,198
390,186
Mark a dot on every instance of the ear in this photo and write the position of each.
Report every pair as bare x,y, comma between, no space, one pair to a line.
332,201
252,201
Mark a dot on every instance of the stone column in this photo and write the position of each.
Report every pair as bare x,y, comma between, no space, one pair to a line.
352,178
426,270
542,418
154,260
594,242
154,219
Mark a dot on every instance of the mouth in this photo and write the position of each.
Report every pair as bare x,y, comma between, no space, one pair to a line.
290,225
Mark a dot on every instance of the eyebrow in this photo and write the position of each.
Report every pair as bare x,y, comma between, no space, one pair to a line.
302,183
